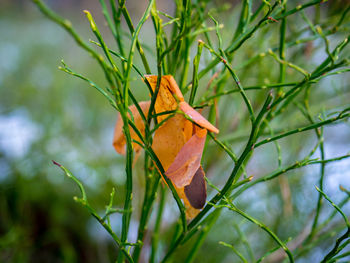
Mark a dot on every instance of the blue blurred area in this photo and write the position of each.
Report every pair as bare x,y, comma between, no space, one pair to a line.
46,114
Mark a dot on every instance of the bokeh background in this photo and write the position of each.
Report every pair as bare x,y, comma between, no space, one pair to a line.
47,115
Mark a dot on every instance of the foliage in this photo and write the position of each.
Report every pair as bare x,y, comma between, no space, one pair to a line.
265,84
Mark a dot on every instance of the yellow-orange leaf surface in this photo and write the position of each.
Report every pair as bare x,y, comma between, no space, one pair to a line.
178,143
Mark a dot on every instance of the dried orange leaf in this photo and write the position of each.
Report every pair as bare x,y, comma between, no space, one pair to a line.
187,161
119,138
178,143
197,117
165,100
170,138
167,82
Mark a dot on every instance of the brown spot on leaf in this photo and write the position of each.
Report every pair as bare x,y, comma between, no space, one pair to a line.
196,191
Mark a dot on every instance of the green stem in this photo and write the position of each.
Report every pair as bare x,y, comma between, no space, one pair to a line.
118,31
84,202
295,165
132,50
150,195
195,71
302,129
66,24
155,234
232,207
236,79
201,237
132,31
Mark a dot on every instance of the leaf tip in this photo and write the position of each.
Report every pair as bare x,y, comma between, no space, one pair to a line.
272,19
56,163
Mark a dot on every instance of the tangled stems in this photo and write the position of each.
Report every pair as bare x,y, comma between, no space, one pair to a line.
84,202
232,207
174,56
252,143
233,177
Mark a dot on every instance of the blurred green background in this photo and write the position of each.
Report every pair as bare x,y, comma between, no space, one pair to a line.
47,115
